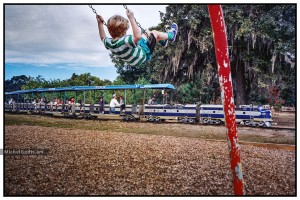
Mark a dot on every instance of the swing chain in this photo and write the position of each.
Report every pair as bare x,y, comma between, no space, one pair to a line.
91,6
138,24
94,10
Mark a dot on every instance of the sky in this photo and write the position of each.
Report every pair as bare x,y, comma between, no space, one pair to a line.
56,41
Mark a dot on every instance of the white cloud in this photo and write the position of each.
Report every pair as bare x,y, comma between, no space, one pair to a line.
49,34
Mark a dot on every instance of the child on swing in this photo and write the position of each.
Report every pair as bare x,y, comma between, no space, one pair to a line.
132,49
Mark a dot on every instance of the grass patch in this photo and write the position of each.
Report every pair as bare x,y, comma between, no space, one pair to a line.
45,121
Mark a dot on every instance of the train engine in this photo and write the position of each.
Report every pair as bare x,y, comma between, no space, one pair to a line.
246,115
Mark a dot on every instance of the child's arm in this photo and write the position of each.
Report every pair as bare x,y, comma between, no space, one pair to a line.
100,27
135,29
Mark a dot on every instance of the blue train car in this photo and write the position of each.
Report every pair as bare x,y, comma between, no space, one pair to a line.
254,115
182,113
246,115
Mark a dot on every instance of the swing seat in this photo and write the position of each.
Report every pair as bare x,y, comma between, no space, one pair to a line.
151,42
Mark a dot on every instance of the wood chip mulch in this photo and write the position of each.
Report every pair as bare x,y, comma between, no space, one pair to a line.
82,162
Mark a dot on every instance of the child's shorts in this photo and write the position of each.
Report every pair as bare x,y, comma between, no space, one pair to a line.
143,44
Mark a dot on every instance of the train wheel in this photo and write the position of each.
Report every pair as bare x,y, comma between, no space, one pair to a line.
261,123
191,121
133,118
247,123
151,119
217,121
183,120
205,120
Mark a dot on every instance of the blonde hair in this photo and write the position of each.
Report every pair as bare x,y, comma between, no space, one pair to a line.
117,26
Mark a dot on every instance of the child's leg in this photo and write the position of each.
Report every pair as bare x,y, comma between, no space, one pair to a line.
158,35
163,36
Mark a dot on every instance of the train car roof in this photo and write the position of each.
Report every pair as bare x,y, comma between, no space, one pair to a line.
55,89
20,92
158,86
107,87
83,88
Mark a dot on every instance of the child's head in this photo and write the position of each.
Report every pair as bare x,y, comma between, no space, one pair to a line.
117,26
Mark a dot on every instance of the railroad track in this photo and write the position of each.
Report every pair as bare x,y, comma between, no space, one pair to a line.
117,117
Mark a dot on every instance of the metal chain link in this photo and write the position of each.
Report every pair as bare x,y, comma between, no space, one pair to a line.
138,24
94,10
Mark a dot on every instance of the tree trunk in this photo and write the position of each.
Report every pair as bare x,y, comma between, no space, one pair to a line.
239,80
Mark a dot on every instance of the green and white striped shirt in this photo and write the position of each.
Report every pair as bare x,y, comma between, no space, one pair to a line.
125,49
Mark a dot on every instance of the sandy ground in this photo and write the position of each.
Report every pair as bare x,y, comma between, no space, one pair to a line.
93,162
284,119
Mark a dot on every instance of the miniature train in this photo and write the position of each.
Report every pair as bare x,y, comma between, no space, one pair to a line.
189,113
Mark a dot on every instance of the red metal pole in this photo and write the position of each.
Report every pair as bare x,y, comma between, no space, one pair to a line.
224,70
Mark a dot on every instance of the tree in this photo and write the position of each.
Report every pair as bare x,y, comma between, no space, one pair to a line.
256,34
16,83
261,42
25,83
